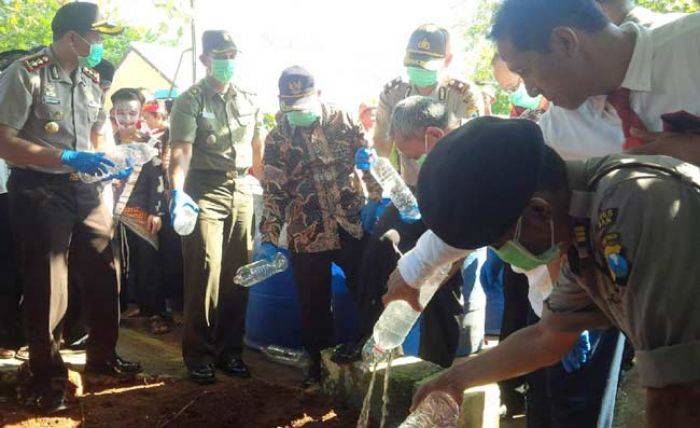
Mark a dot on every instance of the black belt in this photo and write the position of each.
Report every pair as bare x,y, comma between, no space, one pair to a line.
63,177
231,174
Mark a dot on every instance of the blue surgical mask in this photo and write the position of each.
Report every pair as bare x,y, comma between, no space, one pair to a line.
93,57
223,69
420,77
302,118
521,98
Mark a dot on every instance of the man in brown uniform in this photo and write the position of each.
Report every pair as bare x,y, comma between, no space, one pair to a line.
216,135
51,119
427,54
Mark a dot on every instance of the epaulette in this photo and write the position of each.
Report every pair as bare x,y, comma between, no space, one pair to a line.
458,85
92,74
36,62
392,85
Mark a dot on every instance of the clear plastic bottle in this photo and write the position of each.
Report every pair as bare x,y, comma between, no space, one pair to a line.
438,409
255,272
289,357
124,156
398,317
397,190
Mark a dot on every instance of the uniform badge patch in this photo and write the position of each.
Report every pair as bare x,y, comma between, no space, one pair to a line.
617,264
607,217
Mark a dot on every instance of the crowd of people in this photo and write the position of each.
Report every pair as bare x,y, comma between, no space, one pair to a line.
581,207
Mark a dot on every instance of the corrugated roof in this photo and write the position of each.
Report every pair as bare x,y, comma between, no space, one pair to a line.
165,60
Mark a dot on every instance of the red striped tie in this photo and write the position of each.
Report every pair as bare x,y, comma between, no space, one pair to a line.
620,100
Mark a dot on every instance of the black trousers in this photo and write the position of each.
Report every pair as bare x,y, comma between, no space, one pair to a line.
144,277
10,285
52,214
516,310
312,273
440,324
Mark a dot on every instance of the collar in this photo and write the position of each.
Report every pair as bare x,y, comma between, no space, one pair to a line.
57,72
638,76
581,198
212,93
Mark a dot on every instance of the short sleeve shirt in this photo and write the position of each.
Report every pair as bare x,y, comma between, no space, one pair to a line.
220,126
50,108
643,235
463,102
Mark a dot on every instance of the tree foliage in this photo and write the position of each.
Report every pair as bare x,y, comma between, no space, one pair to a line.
25,24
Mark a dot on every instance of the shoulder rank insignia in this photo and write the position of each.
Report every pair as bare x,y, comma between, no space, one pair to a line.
392,85
458,85
36,62
607,217
92,74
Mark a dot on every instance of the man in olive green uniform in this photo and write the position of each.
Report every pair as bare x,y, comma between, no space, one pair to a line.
624,229
216,133
427,54
51,119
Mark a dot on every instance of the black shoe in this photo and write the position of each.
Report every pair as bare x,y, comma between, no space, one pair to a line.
313,377
233,366
347,353
115,367
42,398
202,375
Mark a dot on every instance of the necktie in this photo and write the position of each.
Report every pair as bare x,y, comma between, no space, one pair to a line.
620,100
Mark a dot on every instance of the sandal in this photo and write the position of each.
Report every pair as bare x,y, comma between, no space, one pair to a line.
160,325
22,353
7,354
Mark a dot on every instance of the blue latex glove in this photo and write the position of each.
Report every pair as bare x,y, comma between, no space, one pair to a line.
368,215
121,175
579,354
265,250
364,158
87,162
180,200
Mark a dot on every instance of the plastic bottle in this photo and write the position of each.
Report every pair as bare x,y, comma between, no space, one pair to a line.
255,272
438,409
397,190
289,357
124,156
398,317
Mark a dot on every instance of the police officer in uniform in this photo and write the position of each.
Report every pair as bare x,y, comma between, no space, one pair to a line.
427,54
51,122
624,229
216,136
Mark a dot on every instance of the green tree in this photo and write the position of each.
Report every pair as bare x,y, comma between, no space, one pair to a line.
25,24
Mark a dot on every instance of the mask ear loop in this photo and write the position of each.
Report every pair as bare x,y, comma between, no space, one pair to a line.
551,230
518,227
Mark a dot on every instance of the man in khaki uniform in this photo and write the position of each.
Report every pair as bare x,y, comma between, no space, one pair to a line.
624,229
216,133
428,53
51,119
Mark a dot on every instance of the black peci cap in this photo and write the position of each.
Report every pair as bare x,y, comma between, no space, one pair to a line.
479,178
297,89
106,70
217,41
427,47
82,17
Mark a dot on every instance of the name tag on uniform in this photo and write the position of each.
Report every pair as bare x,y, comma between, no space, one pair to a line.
208,115
93,104
51,100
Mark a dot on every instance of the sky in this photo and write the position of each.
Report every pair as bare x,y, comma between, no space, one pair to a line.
352,48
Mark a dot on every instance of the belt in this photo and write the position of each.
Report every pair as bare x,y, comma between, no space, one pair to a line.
59,178
231,174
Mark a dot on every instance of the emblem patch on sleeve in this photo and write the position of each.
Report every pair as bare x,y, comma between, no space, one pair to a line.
607,217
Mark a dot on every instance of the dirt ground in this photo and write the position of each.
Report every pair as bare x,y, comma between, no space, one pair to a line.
163,397
179,403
